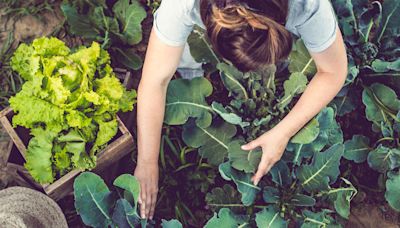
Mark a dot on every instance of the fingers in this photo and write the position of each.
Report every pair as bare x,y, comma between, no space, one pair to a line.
148,205
251,145
265,165
142,199
153,205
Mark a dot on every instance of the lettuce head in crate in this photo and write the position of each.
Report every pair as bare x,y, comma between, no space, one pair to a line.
69,102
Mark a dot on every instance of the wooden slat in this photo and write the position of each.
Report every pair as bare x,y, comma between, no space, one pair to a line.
115,151
62,186
13,135
5,112
121,126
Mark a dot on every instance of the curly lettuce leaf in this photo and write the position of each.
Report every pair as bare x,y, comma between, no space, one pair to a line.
32,111
39,154
77,119
62,159
87,58
107,130
23,62
52,46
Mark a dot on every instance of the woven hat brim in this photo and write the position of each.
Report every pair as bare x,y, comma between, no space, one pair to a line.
34,207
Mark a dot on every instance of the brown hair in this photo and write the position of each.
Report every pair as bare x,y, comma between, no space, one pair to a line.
249,37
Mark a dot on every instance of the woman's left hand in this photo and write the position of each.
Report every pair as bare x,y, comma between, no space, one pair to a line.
273,144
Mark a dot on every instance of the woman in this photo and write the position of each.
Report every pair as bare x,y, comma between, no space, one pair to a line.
250,34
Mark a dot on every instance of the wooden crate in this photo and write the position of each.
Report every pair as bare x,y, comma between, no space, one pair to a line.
119,147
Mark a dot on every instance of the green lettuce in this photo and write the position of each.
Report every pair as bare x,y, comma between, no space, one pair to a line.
69,101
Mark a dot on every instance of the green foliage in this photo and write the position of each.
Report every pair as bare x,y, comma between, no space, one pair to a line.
185,99
357,149
322,171
98,207
226,218
269,217
213,141
393,190
117,28
69,101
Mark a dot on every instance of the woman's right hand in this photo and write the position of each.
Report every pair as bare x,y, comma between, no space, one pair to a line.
147,175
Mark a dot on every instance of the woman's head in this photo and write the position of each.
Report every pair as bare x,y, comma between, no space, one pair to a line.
248,33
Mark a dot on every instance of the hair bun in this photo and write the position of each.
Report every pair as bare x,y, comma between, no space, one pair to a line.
248,38
224,3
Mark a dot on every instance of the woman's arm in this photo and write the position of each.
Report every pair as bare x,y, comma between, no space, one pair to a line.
160,65
329,79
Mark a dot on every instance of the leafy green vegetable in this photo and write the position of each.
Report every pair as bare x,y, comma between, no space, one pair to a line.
242,181
213,141
323,170
357,149
186,98
225,218
72,98
269,217
97,205
393,190
246,161
225,197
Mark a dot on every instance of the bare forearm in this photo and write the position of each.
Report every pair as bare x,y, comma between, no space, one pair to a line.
151,103
320,91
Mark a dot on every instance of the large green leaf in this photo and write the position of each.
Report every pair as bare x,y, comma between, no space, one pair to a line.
225,197
281,174
329,134
271,195
269,218
200,47
131,185
213,141
39,155
231,77
242,181
246,161
341,197
93,200
125,215
130,14
301,61
383,159
345,103
392,194
185,99
357,149
323,170
227,219
296,84
308,133
173,223
79,25
318,219
229,117
381,66
381,103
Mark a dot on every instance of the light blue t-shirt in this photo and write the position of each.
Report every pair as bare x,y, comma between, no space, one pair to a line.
313,21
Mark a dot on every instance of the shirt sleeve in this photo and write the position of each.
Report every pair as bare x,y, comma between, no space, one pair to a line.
172,23
318,32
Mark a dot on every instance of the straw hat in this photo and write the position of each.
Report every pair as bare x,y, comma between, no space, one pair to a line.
23,207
